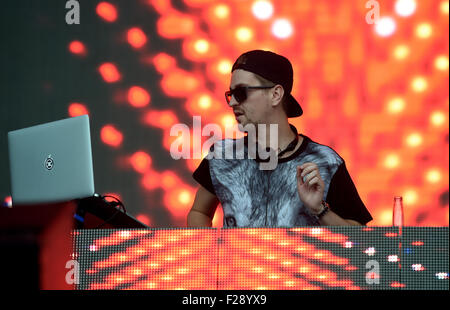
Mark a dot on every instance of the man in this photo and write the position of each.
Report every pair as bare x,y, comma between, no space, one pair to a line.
310,184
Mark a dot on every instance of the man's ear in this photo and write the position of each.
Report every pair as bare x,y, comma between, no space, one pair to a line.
277,95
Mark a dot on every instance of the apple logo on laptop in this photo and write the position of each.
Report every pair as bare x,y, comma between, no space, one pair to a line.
49,163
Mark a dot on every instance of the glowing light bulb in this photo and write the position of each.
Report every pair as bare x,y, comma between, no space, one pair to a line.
391,161
385,26
437,118
441,63
433,176
201,46
262,9
244,34
405,7
414,140
282,28
396,105
419,84
401,52
222,11
424,30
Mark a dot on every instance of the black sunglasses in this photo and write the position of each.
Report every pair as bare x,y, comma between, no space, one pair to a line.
240,92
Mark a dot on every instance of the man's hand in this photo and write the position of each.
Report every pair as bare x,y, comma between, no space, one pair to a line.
310,186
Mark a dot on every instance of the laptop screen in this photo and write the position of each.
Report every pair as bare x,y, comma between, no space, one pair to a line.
51,162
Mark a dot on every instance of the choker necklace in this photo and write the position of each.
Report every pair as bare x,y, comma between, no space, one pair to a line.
291,145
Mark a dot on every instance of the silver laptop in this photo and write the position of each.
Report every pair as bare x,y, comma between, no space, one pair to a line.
51,162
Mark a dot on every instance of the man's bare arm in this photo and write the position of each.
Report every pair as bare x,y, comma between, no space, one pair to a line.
203,209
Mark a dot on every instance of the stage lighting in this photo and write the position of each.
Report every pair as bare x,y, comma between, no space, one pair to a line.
282,28
385,27
405,7
262,9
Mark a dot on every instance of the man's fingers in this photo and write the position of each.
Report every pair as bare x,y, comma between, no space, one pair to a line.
308,170
314,180
299,177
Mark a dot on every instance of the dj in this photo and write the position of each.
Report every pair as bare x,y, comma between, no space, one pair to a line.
310,184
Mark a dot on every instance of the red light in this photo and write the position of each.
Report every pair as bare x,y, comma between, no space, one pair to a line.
143,219
164,62
136,37
138,97
77,47
151,180
111,136
161,119
417,243
77,109
107,11
110,199
141,161
109,72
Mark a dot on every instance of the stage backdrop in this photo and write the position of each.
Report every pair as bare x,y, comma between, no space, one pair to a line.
375,88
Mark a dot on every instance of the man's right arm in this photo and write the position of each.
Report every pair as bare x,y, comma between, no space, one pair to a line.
203,209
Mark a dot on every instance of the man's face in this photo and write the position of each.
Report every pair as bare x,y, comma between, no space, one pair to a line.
256,107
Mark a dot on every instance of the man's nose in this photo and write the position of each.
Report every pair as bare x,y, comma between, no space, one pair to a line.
233,102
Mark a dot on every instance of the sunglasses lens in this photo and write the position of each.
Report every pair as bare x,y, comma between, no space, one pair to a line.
240,94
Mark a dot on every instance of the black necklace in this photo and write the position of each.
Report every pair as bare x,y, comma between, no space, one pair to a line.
291,146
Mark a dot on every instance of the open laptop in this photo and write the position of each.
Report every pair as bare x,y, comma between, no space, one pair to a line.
51,162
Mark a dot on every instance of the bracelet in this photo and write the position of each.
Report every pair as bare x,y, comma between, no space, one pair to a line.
326,208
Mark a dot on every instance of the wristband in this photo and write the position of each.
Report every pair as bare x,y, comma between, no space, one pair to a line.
326,208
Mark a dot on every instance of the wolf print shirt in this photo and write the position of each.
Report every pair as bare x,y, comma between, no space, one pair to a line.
251,197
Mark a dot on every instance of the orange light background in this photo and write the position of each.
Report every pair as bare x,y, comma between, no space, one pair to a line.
376,94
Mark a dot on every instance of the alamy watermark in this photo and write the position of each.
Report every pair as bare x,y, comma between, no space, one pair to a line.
373,15
73,15
258,146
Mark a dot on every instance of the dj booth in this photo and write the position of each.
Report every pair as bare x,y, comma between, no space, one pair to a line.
57,248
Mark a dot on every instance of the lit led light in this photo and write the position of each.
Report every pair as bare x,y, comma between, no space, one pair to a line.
414,140
410,197
184,197
282,28
348,244
401,52
244,34
316,231
224,66
444,7
392,258
77,109
8,201
77,48
405,7
138,97
370,251
258,269
109,72
441,63
136,37
417,267
227,121
201,46
424,30
289,283
262,9
107,11
433,176
396,105
391,161
92,248
442,275
125,234
385,26
437,118
204,102
419,84
222,11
